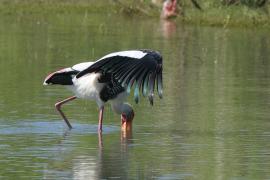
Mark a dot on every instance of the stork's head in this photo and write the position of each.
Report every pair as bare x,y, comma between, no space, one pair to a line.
127,117
127,114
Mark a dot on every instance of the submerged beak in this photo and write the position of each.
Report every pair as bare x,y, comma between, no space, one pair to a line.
126,122
126,125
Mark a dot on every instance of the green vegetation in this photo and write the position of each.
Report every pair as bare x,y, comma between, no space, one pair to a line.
51,6
228,12
65,6
211,12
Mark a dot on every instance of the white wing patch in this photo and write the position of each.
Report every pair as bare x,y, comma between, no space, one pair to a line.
131,54
82,66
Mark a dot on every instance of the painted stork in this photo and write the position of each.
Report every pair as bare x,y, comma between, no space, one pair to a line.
169,9
111,78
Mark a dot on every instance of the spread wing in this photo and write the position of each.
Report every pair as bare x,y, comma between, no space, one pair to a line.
138,68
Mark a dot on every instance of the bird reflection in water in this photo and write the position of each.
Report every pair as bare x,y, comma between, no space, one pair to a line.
113,160
126,137
168,28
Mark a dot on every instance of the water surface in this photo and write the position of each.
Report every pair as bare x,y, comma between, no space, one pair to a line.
213,122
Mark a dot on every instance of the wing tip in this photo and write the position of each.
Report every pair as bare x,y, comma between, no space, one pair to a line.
151,98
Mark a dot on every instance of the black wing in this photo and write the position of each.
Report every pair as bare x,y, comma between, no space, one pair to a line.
142,72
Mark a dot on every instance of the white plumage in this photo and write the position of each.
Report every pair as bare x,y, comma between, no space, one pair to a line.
110,78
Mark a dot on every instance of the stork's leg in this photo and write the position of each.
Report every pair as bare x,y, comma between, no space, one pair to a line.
100,118
58,108
100,142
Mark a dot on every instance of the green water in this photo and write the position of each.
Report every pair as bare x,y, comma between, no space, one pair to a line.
213,122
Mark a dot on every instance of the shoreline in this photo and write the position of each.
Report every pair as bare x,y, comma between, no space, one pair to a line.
222,16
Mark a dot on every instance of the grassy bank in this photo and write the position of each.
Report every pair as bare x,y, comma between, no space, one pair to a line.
128,7
50,6
220,14
212,12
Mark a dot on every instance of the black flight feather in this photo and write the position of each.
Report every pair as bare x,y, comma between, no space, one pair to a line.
143,71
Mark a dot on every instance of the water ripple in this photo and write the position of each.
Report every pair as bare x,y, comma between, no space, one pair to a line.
46,127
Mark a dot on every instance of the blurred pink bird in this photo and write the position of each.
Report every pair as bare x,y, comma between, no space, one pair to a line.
169,9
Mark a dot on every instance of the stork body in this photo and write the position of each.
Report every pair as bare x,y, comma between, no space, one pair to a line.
110,79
